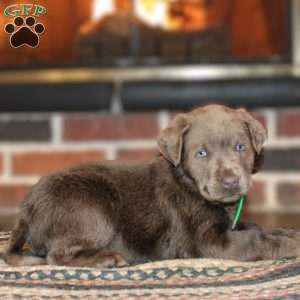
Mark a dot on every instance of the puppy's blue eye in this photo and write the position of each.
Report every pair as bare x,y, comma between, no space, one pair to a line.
201,154
240,147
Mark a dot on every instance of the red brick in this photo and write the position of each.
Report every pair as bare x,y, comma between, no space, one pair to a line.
40,163
110,127
256,195
12,195
289,123
137,154
288,194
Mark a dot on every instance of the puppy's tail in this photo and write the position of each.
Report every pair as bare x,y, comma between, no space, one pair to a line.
13,255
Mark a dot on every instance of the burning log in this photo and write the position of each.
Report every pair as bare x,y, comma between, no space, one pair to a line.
115,37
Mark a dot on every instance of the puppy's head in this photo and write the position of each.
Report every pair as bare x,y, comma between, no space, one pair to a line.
218,148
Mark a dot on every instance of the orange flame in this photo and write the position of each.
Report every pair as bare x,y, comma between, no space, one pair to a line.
102,8
153,13
166,14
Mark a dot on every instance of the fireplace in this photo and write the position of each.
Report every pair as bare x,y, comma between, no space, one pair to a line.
105,49
155,32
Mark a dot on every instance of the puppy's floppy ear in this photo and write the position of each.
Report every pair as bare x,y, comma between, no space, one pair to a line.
171,138
257,131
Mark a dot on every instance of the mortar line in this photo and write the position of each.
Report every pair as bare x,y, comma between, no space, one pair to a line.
271,124
56,126
163,119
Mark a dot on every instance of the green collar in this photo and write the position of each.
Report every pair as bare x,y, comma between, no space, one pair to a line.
238,212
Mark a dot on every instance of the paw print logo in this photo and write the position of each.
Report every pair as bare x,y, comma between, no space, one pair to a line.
24,33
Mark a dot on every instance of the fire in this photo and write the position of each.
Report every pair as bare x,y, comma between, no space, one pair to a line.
154,13
102,8
165,14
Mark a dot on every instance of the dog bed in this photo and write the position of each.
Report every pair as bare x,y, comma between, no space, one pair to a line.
171,279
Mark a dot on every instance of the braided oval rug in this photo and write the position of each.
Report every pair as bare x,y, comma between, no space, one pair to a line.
173,279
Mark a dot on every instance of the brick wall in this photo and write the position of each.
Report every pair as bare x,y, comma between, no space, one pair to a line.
34,144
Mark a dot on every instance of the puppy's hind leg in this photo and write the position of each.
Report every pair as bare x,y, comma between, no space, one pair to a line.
18,237
13,255
78,257
90,247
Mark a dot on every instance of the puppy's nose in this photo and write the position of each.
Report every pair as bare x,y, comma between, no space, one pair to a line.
230,182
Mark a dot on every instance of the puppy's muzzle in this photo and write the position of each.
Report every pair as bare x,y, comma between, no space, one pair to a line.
230,182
